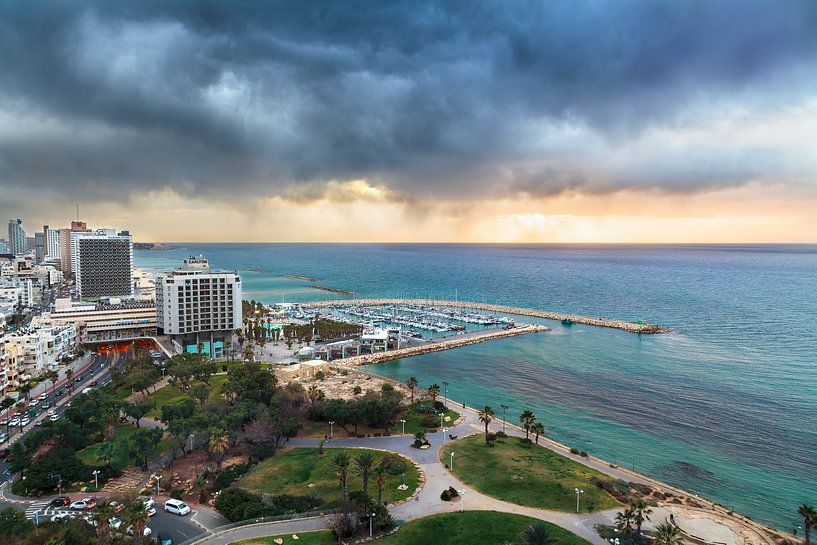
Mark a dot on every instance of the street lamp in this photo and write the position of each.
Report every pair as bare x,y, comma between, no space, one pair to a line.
444,430
24,482
579,492
403,421
504,408
445,395
371,518
158,479
462,500
451,465
441,419
191,437
96,473
331,428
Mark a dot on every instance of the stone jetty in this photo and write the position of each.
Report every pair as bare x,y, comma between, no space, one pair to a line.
442,344
632,327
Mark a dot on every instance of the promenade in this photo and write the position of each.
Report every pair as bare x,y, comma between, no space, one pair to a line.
632,327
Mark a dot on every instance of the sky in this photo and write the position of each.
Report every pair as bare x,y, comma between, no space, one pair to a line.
491,121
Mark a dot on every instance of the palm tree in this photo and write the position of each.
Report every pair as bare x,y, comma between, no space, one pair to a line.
538,429
412,385
434,391
138,518
102,516
486,415
364,462
51,377
809,520
217,445
641,512
624,521
527,419
340,463
25,389
667,534
69,373
538,533
380,473
105,453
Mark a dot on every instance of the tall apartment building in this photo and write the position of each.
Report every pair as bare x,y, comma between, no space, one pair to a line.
17,237
39,246
102,262
65,245
198,306
52,242
4,247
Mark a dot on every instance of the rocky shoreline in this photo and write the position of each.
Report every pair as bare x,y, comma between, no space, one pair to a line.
632,327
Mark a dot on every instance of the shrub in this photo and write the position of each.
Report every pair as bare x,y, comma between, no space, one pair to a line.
426,409
237,504
394,466
445,496
320,375
429,421
439,406
358,390
574,450
501,435
177,493
229,475
453,492
583,453
262,451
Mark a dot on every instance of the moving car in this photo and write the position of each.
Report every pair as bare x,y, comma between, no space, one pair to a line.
60,501
60,517
43,396
15,421
51,412
25,422
85,503
177,507
54,417
34,402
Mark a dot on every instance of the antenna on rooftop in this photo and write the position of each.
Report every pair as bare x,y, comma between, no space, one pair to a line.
77,211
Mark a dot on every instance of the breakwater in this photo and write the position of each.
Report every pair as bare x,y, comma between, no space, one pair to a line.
330,289
436,346
632,327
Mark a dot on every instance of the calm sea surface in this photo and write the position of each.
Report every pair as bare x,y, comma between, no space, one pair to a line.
725,406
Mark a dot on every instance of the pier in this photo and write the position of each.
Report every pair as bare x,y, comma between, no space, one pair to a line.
442,344
612,323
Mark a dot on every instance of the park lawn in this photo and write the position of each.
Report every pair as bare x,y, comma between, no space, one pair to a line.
526,474
291,471
470,527
120,459
413,418
171,394
323,537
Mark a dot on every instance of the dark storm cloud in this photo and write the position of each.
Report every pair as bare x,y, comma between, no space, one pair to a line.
251,97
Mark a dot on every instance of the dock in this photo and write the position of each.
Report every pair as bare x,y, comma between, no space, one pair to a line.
632,327
439,345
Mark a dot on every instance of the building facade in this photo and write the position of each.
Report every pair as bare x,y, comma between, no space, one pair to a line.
102,263
198,307
109,321
52,242
17,237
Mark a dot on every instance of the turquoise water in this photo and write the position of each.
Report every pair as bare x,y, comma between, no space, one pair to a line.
725,406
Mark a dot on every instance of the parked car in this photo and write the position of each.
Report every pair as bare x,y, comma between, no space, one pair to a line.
54,417
4,437
15,422
94,383
146,532
116,506
177,507
115,523
60,501
43,396
34,402
85,503
62,517
50,412
164,539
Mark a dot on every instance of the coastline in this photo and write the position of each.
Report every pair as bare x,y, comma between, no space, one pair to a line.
771,535
632,327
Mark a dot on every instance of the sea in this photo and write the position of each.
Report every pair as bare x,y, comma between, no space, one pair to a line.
724,406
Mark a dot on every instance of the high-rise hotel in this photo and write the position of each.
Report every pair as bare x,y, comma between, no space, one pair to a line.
102,261
198,307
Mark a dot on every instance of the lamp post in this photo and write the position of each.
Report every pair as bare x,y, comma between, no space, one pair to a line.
462,500
441,419
504,409
331,428
191,437
445,394
24,482
403,421
579,492
371,518
163,371
158,480
444,430
451,465
96,473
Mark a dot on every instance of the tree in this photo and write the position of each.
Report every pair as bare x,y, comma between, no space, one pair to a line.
538,429
105,453
364,462
315,394
641,512
102,516
527,418
624,521
380,472
340,463
69,373
13,523
217,445
143,445
486,416
809,520
25,389
667,534
538,533
138,517
412,385
138,410
434,391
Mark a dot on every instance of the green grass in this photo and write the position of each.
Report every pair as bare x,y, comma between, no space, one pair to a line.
483,527
413,418
172,394
120,459
291,471
525,474
323,537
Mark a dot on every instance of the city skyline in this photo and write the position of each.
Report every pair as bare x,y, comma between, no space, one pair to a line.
404,122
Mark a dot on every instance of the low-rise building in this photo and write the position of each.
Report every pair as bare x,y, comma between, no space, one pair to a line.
9,366
40,347
108,320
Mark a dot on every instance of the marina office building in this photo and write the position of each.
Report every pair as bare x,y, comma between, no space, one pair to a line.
198,307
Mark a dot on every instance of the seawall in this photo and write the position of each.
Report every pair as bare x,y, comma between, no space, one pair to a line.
632,327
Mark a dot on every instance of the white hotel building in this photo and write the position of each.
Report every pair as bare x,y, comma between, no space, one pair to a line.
198,306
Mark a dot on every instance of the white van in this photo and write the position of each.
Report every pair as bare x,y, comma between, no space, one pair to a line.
87,390
177,507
